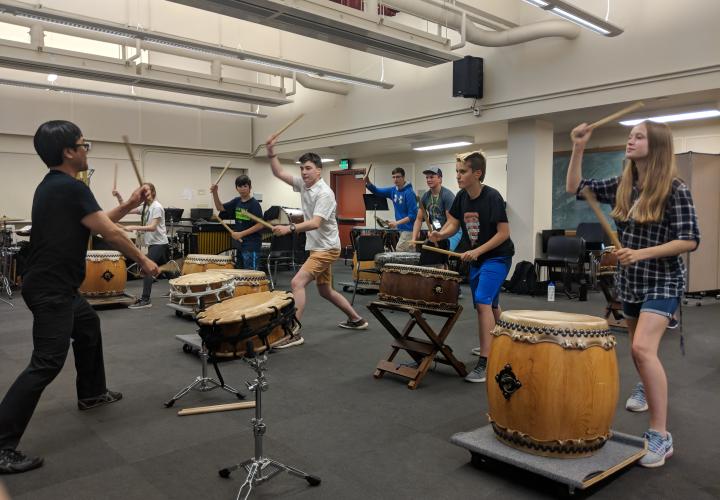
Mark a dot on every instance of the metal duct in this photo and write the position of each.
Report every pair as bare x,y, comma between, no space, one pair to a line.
454,19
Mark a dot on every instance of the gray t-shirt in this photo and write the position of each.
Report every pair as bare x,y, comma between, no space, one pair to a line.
319,200
435,206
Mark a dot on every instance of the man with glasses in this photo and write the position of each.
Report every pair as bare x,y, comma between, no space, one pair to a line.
64,214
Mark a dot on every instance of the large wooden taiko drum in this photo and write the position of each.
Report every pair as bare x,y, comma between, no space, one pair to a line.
105,274
420,286
552,382
198,263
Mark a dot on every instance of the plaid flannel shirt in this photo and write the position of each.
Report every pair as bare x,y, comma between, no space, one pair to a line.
651,278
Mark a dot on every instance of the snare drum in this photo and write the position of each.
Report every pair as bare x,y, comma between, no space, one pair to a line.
420,286
247,281
263,318
552,382
105,274
409,258
608,262
197,263
212,287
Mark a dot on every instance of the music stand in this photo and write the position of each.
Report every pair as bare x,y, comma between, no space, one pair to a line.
374,202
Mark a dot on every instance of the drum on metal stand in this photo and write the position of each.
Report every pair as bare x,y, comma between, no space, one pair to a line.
247,281
263,318
552,382
189,291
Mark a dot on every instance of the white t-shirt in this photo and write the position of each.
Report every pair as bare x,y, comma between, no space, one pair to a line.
159,236
319,200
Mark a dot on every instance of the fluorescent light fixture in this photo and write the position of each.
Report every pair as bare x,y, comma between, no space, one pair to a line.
52,77
99,26
450,142
577,16
694,115
97,93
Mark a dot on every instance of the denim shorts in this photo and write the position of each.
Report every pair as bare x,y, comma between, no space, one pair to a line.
664,307
486,280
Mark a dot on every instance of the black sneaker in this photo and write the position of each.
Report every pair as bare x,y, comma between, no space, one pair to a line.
103,399
140,304
13,462
359,324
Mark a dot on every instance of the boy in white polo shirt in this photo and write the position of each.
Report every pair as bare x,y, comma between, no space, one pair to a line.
322,238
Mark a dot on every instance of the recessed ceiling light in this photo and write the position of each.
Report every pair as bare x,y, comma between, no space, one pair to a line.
450,142
677,117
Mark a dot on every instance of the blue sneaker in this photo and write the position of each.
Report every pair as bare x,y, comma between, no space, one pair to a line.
658,449
637,402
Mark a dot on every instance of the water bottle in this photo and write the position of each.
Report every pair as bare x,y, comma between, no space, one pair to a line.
551,291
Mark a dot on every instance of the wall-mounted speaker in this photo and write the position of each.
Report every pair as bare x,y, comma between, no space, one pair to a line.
468,77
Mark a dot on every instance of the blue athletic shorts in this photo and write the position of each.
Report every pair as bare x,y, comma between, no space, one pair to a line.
486,280
663,307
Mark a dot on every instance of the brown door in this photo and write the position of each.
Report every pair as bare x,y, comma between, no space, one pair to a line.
349,187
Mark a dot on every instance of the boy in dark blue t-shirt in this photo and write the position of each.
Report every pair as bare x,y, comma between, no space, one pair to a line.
247,232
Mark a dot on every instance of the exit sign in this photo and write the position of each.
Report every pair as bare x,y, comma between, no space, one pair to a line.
344,164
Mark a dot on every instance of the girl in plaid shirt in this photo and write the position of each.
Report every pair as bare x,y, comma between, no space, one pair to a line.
656,221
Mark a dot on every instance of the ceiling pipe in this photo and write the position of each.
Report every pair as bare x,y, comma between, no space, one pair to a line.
37,26
451,17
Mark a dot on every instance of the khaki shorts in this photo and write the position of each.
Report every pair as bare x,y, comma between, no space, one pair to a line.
319,264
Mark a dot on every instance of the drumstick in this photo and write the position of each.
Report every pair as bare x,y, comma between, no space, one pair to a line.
595,206
417,242
115,178
440,250
227,165
198,410
132,159
367,174
289,124
617,114
223,223
257,219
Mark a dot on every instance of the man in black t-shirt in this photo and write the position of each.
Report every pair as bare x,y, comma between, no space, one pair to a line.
64,214
480,211
247,231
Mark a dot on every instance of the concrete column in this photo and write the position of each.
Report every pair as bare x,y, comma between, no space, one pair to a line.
529,184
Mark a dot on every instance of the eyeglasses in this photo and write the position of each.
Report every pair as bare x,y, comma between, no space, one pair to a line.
86,145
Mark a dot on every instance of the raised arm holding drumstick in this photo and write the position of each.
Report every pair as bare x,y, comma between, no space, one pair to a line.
655,216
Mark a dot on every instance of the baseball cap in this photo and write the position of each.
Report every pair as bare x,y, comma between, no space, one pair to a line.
433,170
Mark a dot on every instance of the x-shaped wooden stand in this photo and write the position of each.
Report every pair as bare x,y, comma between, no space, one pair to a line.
423,351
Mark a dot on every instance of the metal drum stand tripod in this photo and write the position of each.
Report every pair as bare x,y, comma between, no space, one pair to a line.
261,469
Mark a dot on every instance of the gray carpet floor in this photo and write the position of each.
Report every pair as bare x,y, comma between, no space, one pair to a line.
327,415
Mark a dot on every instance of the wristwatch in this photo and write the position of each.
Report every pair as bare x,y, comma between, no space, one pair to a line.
292,227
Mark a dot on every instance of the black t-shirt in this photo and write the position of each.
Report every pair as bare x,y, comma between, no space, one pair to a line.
479,218
233,209
58,241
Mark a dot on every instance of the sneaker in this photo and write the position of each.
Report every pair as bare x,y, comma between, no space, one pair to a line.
479,373
103,399
140,304
673,324
658,449
13,462
476,351
289,341
637,402
359,324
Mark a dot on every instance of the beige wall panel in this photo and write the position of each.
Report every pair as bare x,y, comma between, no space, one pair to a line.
170,126
106,119
225,132
23,110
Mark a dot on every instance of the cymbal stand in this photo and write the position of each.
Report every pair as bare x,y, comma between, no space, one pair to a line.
5,268
172,245
261,469
203,383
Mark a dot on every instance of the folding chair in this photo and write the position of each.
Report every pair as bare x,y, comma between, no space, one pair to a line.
366,248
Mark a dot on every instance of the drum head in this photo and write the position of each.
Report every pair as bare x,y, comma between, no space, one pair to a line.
98,255
200,279
246,306
422,271
553,319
